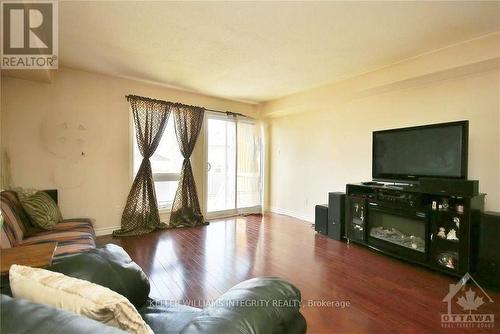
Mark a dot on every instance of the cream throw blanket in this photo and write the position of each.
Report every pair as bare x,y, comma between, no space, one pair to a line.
78,296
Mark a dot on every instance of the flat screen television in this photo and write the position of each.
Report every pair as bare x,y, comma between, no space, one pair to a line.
437,150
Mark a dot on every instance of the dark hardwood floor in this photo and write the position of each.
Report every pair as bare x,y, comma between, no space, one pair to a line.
385,295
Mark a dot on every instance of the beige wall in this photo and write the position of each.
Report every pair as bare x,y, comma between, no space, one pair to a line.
46,127
319,140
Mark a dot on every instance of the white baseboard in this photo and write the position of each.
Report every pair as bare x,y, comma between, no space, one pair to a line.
109,230
292,213
106,230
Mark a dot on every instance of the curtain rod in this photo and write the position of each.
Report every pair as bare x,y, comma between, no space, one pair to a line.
229,113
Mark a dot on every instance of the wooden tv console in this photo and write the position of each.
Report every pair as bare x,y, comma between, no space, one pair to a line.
431,229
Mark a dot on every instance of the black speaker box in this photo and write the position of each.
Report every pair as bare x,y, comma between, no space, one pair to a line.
336,215
449,186
488,265
321,219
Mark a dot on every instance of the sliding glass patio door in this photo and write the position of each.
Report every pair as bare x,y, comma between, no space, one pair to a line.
233,173
221,164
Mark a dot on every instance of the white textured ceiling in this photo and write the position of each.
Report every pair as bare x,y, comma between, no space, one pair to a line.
259,51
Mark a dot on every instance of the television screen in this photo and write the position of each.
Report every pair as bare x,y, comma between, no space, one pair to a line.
438,150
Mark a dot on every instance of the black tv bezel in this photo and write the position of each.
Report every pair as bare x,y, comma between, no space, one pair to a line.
414,178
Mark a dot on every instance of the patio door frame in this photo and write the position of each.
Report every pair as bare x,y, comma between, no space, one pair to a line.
235,211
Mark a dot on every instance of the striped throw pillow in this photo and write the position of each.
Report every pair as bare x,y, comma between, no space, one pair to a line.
42,210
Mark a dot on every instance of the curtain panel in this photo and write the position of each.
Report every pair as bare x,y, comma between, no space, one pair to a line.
186,209
141,210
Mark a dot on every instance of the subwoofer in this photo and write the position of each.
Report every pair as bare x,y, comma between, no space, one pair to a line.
321,219
448,186
488,265
336,215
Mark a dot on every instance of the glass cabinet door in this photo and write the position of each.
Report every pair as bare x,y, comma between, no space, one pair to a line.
356,217
445,239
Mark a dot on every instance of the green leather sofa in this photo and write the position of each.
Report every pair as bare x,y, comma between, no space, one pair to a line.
110,266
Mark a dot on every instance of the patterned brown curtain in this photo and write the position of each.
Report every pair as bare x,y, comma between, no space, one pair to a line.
141,210
186,207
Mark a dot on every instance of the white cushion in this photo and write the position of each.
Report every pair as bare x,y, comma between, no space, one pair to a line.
75,295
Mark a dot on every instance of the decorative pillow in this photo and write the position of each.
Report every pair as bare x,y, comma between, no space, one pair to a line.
24,192
42,210
75,295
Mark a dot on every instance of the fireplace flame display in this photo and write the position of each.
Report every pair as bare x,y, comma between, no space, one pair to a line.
397,237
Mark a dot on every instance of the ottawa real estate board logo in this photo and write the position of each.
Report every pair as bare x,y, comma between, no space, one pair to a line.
464,303
29,33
